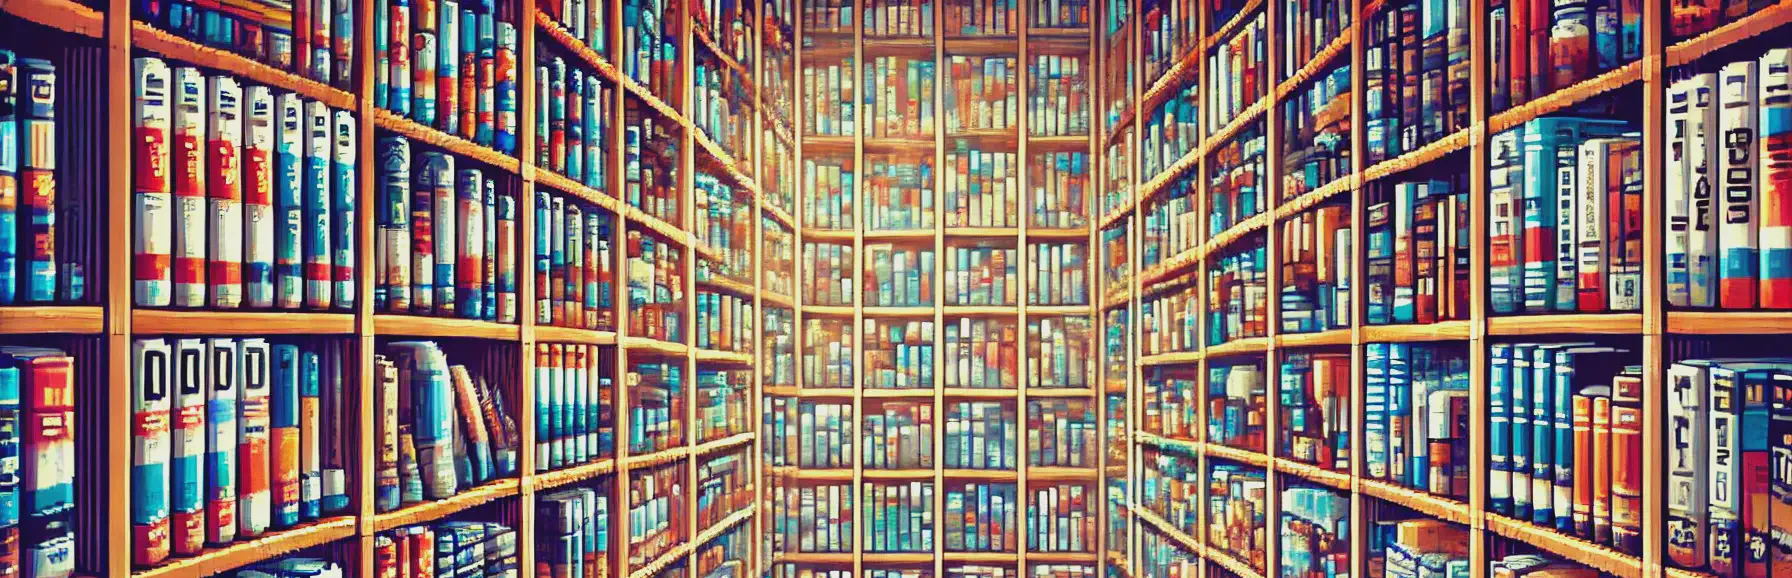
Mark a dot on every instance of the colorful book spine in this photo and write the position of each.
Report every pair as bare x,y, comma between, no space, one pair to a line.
153,361
221,395
283,435
187,502
1738,163
289,277
1702,153
392,268
311,436
1775,187
37,178
224,192
189,188
47,502
315,176
506,258
154,210
254,508
258,197
343,225
1505,245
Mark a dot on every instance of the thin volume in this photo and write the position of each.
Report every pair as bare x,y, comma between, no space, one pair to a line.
398,51
258,198
1775,179
187,478
506,258
154,210
224,360
386,492
1677,174
432,170
254,505
1737,283
37,177
224,191
283,436
447,221
393,273
424,45
316,179
152,370
289,206
189,189
343,207
311,488
9,177
470,279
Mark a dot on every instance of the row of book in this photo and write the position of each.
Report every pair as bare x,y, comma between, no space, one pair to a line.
446,240
899,435
650,163
655,272
1537,50
656,512
1316,262
443,428
807,434
727,227
1570,245
1116,257
1169,30
1170,223
720,107
828,200
828,360
575,275
1415,74
206,202
294,567
449,65
980,517
311,38
1316,125
724,486
1172,130
1059,275
1061,432
574,113
1170,403
1059,14
1238,295
1237,179
574,406
1416,419
572,534
827,100
1058,352
980,435
1315,531
899,354
982,188
1170,486
1310,26
1117,158
830,16
724,322
722,403
982,18
1417,254
898,97
232,440
1744,248
829,271
981,274
1237,406
777,259
1236,73
28,139
983,93
656,406
1694,17
447,549
1313,391
777,367
812,518
886,18
1237,508
898,516
1057,96
650,45
899,193
1060,184
586,21
982,353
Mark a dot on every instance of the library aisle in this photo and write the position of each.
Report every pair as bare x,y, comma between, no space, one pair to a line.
653,288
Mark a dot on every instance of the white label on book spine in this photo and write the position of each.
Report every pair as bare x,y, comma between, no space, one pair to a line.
189,188
258,198
224,191
154,230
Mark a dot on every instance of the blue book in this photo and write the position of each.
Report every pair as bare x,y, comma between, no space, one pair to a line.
382,61
9,172
1399,412
544,258
344,226
1375,408
318,274
220,440
37,177
1542,398
289,206
1519,409
1499,429
283,419
486,131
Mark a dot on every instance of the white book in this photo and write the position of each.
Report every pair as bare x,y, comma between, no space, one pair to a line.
1775,194
1687,448
1736,187
1589,216
189,188
1701,160
316,180
220,439
344,205
1677,182
224,191
153,372
154,231
446,226
258,197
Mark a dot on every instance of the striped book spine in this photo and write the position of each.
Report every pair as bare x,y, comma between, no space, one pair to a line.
385,378
595,241
316,179
447,224
254,507
48,500
597,108
506,258
394,268
573,307
398,83
1724,462
382,56
343,205
1776,179
1537,201
283,435
289,207
311,432
1590,213
437,171
425,43
1626,466
478,451
467,54
187,502
1505,245
154,232
1738,225
544,408
489,258
1678,174
343,42
9,176
333,400
448,40
322,46
556,232
37,177
153,366
258,198
487,102
1687,450
504,88
557,116
224,191
573,106
10,378
1518,408
1755,481
1375,406
470,282
221,394
1624,223
1701,154
544,302
189,189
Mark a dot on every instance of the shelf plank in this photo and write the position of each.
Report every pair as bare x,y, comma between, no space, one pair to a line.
654,566
1437,507
977,393
1173,358
1441,331
554,479
78,320
419,133
813,474
552,334
1608,81
1730,322
442,327
439,509
724,525
1600,557
770,299
1062,474
1409,160
1063,557
1320,61
653,346
967,310
1570,323
723,444
1067,392
566,185
780,215
1314,339
973,557
885,393
656,459
226,323
64,15
1188,447
717,356
984,475
560,35
903,312
1247,457
1168,530
810,392
161,42
1244,346
897,474
215,561
815,557
1315,474
1755,24
827,310
900,235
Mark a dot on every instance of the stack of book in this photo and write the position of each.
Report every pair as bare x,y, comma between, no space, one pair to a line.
650,163
724,486
982,353
721,107
1168,321
1170,486
778,364
812,518
1060,275
1237,408
1057,96
899,354
1237,510
31,271
1061,518
650,44
1238,294
981,274
1316,125
808,434
449,66
899,436
899,97
1060,183
446,242
1314,411
1058,352
208,198
981,188
828,360
828,192
1416,69
443,428
1166,558
1315,259
1172,130
1544,50
313,39
898,516
1315,532
981,435
575,275
456,547
655,406
980,18
1237,179
656,512
1415,423
1310,25
1170,403
982,94
828,97
980,517
1061,432
572,131
586,21
885,18
574,406
898,276
727,227
899,193
1236,72
655,287
572,533
270,407
724,322
722,403
1409,548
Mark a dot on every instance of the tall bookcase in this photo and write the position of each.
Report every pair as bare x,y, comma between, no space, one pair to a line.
1127,189
102,333
853,41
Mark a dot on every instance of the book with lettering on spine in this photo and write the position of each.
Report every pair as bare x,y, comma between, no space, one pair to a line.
189,187
47,499
221,393
37,179
153,372
315,176
224,192
1737,166
254,507
152,199
258,182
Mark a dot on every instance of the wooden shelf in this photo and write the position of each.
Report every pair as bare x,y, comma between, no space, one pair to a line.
834,235
1608,81
725,162
1064,310
879,393
1418,157
907,235
653,346
815,558
438,509
897,557
724,525
75,319
979,557
723,444
1225,559
554,479
1315,474
577,189
810,392
592,59
1730,322
835,310
1189,447
552,334
1173,358
1168,530
216,561
1568,323
161,42
980,310
1243,346
715,356
1225,452
1755,24
814,474
982,475
1313,198
442,327
1320,61
1063,557
902,145
1599,557
780,215
1440,331
770,299
978,393
426,135
1062,474
239,323
1056,143
656,459
904,312
654,566
64,15
701,33
1437,507
1315,339
1045,234
897,474
1066,392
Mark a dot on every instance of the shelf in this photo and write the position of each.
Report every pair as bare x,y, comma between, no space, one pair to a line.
1169,530
1755,24
1320,61
1070,143
653,101
725,162
597,61
835,310
982,475
813,474
78,319
885,393
1604,559
551,334
1315,474
897,474
653,346
969,310
1221,241
566,185
421,134
1172,358
897,557
810,392
1065,392
770,299
1567,323
1243,346
922,145
1729,322
245,323
1315,339
158,41
716,356
982,45
1609,81
63,15
1062,474
1441,331
1434,506
914,312
1225,559
550,480
723,444
1050,310
814,558
655,459
908,235
892,45
820,143
1224,452
723,526
780,215
835,235
415,326
654,566
1045,234
1121,295
979,557
701,33
438,509
216,561
1310,199
978,393
1189,447
1063,557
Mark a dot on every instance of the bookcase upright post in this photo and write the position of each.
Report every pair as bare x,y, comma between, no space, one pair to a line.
119,190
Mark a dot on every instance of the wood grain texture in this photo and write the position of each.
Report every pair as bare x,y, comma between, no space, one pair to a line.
215,561
194,322
77,320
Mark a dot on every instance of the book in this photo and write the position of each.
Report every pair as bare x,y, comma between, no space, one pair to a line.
1235,72
1238,298
827,360
807,434
896,18
1057,104
1172,131
981,274
1318,132
897,516
829,97
1235,187
899,193
778,363
830,267
898,276
1314,393
254,414
980,517
898,354
152,201
899,436
980,435
1170,402
221,400
45,528
721,403
154,363
1314,529
829,202
656,511
1168,321
814,518
656,406
727,227
1059,275
981,93
980,17
1060,184
981,353
650,164
1315,290
899,97
1058,352
1061,432
980,187
294,37
1236,507
189,176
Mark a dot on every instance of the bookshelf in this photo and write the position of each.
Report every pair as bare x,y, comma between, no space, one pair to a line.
102,333
1127,100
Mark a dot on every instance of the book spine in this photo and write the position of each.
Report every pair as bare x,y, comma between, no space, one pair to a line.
189,188
1775,158
37,177
1505,245
153,365
437,172
470,281
48,499
1624,233
254,508
221,433
506,258
154,211
316,179
288,202
224,273
343,224
258,198
394,269
1724,462
1626,466
311,432
1678,173
1538,201
447,220
1738,285
1702,209
283,438
187,502
1590,214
